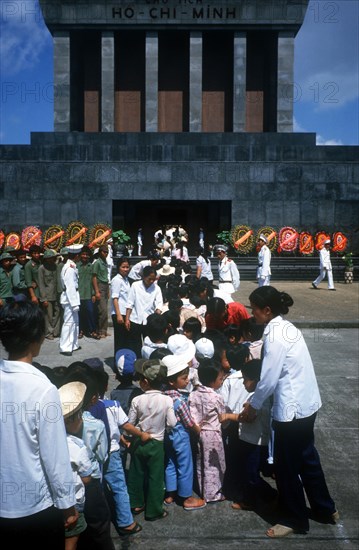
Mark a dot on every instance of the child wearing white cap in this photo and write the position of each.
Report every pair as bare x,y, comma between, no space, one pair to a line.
178,451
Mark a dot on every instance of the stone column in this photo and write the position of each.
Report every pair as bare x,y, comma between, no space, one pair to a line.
151,82
61,81
239,81
107,82
285,88
195,82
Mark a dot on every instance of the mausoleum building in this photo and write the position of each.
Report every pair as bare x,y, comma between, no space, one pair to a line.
177,111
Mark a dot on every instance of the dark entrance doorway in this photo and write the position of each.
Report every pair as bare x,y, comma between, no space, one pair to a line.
213,216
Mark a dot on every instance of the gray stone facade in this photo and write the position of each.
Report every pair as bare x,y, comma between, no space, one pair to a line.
270,179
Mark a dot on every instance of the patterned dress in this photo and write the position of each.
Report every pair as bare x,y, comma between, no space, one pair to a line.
205,406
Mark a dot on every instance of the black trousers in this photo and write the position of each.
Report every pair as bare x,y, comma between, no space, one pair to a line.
98,518
43,530
297,469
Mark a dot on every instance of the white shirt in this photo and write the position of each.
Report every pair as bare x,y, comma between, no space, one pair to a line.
35,468
120,287
287,373
136,270
152,412
228,273
233,392
206,267
143,301
258,431
324,258
116,417
264,258
81,467
70,284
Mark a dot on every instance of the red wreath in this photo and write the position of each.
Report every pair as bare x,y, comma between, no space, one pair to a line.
31,235
306,243
2,239
340,242
320,239
288,239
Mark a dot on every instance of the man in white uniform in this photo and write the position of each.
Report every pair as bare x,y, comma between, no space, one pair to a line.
70,301
325,267
228,275
264,258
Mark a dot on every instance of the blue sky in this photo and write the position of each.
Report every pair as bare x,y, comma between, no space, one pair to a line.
326,72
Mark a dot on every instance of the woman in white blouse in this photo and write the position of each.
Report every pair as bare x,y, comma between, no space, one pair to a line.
203,263
120,287
288,375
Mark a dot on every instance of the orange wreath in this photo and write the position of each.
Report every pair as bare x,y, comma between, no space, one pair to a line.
13,240
306,243
75,233
320,239
271,236
340,242
2,239
99,234
54,237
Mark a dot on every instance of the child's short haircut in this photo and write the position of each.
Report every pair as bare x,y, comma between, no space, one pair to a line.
232,331
193,324
218,338
237,356
147,271
208,371
252,369
156,327
249,327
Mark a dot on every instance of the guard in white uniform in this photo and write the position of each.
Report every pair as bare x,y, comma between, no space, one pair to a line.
264,258
325,267
228,274
70,301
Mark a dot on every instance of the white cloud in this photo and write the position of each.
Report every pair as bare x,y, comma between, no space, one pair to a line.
320,140
323,141
24,36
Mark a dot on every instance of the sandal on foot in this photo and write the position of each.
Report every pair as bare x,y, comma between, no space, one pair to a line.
279,531
168,501
197,505
138,510
123,531
161,516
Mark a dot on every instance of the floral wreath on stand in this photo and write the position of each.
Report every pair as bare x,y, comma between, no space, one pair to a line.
271,236
99,234
320,239
54,237
242,238
31,235
306,244
288,239
340,242
13,240
76,233
2,238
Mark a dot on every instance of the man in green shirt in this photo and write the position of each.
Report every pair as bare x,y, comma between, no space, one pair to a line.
31,273
6,294
101,286
88,317
19,286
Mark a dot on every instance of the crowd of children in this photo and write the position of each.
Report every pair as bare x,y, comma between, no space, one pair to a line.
169,434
